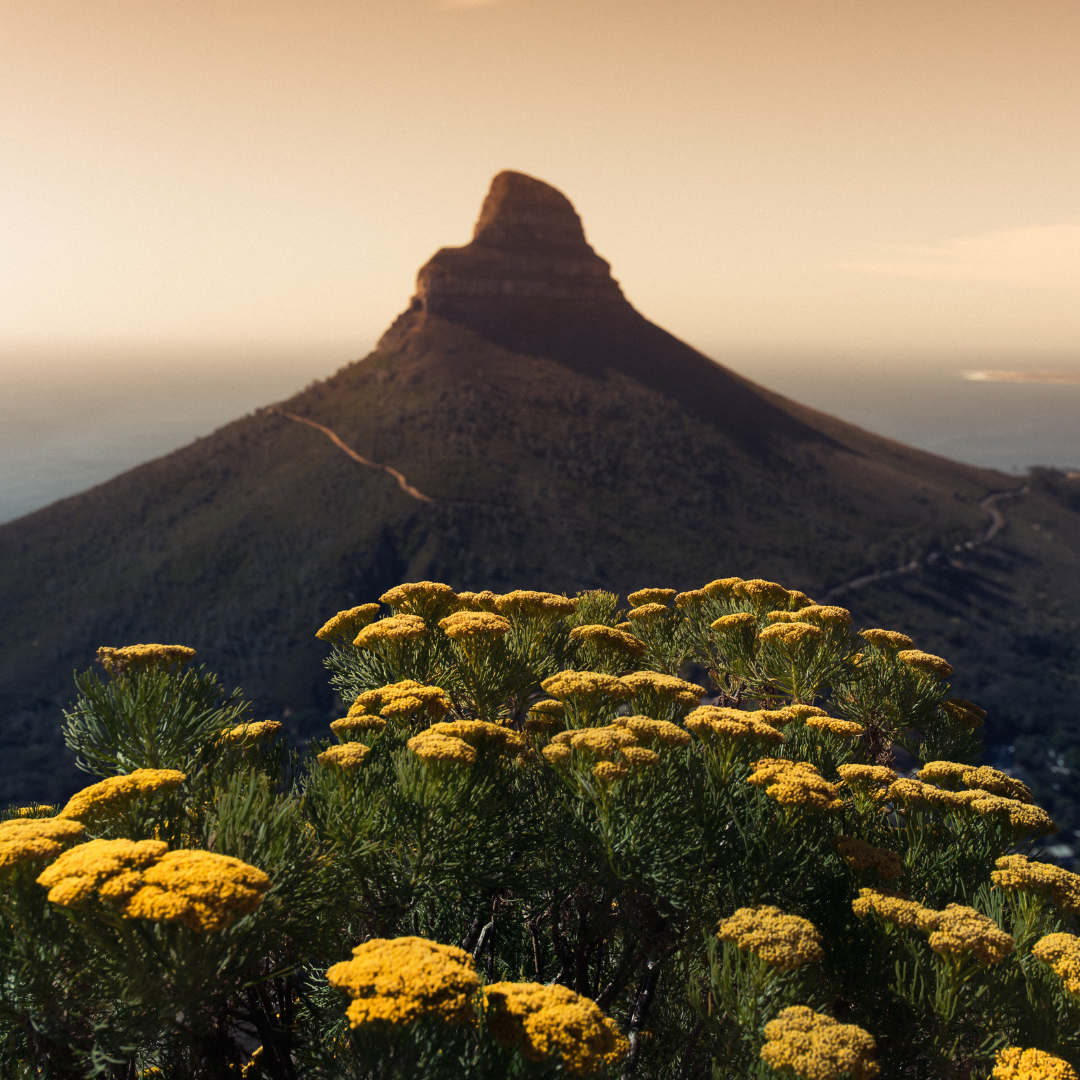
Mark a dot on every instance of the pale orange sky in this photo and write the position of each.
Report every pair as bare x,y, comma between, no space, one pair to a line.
819,174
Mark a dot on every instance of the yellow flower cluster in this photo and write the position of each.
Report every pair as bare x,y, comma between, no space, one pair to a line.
653,732
825,615
25,839
480,733
402,699
646,612
147,881
118,790
1019,872
863,856
476,601
795,783
938,772
615,746
397,628
722,588
424,598
249,733
997,783
609,637
960,929
791,635
602,742
1062,953
138,657
964,712
553,1022
782,941
1017,1064
893,907
856,775
691,599
546,716
731,724
924,661
639,757
651,596
430,747
347,624
911,793
346,756
529,604
816,1047
357,722
1022,816
846,729
666,688
473,625
887,639
588,686
741,622
763,595
401,979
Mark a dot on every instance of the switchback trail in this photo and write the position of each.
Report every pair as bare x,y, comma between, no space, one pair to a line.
333,437
997,523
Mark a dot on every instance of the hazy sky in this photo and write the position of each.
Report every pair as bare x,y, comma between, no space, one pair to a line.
849,174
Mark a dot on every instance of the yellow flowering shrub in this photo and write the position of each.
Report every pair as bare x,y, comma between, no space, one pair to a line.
779,940
424,599
1016,1064
345,625
892,907
961,929
346,756
395,629
429,746
887,639
924,661
251,733
140,657
1018,872
25,839
470,625
553,1022
813,1046
118,790
1061,952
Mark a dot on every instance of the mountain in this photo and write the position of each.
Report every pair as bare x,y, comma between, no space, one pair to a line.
536,430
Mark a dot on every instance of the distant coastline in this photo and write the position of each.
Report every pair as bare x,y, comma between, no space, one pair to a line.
1023,376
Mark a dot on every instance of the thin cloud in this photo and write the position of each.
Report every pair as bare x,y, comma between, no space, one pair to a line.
1041,256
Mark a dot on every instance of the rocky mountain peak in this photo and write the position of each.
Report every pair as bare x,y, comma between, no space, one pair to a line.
528,245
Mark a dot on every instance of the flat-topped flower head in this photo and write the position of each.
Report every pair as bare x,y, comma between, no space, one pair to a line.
1017,1064
845,729
638,757
530,604
799,599
804,713
469,626
118,791
645,613
1061,952
345,756
602,742
722,588
655,733
111,867
431,747
557,753
960,929
996,782
783,616
427,599
607,637
392,631
740,624
943,772
863,856
791,635
782,941
691,600
246,734
651,596
481,734
825,615
653,687
1020,872
345,625
914,793
144,657
779,718
401,700
816,1047
892,640
586,687
357,723
714,721
399,980
546,716
1022,816
893,907
866,776
25,840
964,712
763,595
546,1022
476,601
607,772
926,662
796,784
202,890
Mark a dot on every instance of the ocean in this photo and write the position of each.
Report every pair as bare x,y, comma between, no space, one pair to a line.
68,422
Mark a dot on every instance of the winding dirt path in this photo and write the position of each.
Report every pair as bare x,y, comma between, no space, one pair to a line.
333,437
997,523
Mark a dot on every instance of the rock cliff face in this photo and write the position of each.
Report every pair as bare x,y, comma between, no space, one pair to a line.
528,244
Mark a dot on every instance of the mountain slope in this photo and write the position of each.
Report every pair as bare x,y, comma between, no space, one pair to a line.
565,443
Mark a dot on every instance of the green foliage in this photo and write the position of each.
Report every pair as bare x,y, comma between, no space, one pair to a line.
573,845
